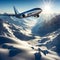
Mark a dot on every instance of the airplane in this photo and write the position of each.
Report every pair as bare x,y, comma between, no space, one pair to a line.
33,12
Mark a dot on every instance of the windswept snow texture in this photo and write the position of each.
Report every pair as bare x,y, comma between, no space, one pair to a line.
47,26
29,38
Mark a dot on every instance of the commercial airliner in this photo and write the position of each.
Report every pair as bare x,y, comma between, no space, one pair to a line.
33,12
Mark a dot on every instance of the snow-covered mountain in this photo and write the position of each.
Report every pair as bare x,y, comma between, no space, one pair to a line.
19,28
47,26
50,32
21,38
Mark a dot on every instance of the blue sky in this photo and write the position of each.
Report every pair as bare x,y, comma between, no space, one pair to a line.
23,5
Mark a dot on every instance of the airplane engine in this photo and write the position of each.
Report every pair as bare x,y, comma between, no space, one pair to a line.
36,16
23,15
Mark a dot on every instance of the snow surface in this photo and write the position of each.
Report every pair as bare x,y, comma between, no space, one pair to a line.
18,42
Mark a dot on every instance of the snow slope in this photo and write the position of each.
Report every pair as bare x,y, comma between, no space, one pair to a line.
18,42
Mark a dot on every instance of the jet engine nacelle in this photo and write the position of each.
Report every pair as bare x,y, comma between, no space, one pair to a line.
36,15
24,15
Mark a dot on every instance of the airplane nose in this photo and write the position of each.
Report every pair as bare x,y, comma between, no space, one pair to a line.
41,10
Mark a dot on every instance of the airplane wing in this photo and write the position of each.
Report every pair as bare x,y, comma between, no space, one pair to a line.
7,14
15,10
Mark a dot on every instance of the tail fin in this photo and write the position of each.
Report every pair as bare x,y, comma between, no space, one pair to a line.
15,10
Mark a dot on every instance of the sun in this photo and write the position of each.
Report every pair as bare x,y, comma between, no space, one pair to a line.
47,8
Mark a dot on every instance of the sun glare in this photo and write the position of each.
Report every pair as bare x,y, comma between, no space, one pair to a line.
47,8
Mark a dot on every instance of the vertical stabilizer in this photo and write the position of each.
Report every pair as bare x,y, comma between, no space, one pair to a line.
15,10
